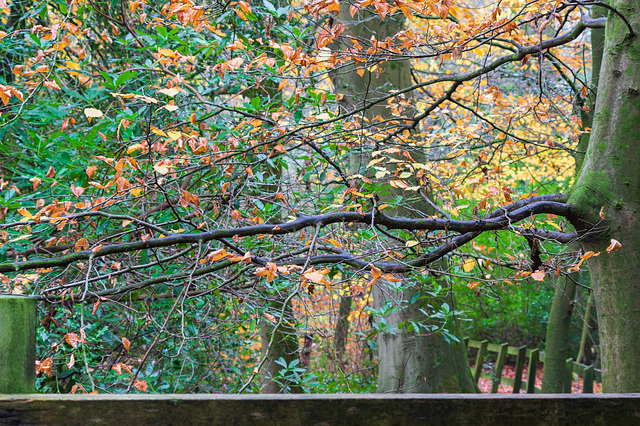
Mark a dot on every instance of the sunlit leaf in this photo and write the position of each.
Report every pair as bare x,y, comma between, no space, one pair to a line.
468,264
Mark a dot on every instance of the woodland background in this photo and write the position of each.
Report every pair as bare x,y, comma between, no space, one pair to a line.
273,196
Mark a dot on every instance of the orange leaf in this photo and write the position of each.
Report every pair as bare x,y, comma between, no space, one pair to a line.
73,339
602,212
36,181
126,343
375,272
538,275
82,244
76,190
52,85
51,172
390,278
141,385
90,171
615,245
473,285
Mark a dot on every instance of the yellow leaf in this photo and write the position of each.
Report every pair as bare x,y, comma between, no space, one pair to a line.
334,242
174,136
158,131
468,265
133,148
167,52
24,212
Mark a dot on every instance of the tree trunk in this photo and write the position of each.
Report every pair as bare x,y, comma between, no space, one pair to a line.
279,342
415,361
342,328
610,179
17,344
420,362
557,338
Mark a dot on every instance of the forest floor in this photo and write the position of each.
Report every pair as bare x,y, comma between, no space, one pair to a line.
509,371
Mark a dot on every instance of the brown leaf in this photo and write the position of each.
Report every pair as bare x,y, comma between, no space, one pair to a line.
82,244
36,181
76,190
141,385
51,172
73,339
90,171
126,343
615,245
538,275
72,362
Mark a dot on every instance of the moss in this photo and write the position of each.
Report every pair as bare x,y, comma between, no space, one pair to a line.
615,160
589,194
602,147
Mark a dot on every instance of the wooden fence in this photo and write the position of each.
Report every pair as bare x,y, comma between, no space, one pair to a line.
588,373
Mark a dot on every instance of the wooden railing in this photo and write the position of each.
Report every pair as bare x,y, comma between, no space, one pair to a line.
588,373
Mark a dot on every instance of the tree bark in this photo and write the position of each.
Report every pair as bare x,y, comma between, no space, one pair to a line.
610,179
557,340
284,344
559,326
342,328
17,344
409,362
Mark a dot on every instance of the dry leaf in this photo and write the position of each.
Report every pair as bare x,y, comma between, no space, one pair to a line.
615,245
538,275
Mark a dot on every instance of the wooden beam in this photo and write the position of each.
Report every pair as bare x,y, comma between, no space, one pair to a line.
343,409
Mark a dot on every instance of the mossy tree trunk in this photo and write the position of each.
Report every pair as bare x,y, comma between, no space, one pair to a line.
342,328
557,339
610,178
17,344
559,326
409,361
279,343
